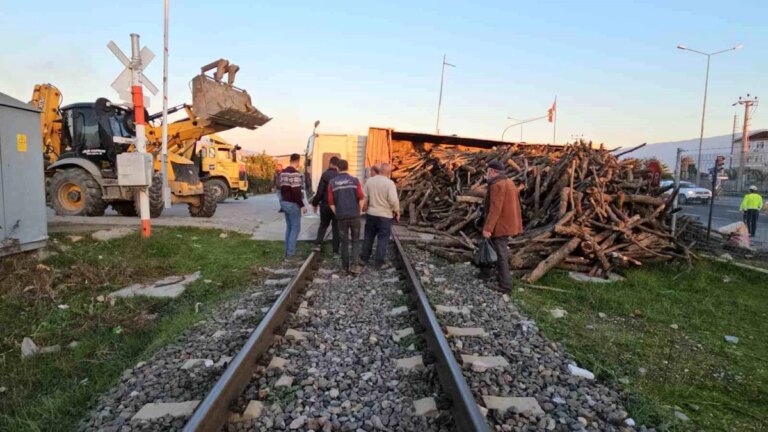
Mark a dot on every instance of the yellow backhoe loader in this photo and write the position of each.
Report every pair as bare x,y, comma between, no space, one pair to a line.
81,142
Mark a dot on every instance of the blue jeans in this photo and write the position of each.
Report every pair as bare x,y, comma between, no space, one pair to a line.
292,226
379,228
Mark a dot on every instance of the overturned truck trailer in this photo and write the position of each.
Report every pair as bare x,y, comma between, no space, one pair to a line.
380,145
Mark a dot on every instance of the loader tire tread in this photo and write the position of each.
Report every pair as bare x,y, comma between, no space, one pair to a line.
207,207
93,203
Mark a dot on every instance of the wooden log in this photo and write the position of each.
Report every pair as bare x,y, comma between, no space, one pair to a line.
469,199
553,260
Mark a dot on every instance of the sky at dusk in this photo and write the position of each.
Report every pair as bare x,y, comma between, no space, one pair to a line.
613,65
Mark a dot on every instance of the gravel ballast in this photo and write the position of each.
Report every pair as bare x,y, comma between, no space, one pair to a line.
182,373
547,395
342,373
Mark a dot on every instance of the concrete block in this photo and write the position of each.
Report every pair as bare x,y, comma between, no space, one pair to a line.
479,362
153,411
273,282
295,335
398,310
223,361
400,334
442,310
465,331
252,411
277,363
193,363
527,405
410,363
170,287
111,234
284,381
425,407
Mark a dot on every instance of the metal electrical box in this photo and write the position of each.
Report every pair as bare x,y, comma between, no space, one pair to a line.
23,224
134,169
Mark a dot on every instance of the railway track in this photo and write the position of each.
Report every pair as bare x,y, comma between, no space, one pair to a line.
310,349
246,379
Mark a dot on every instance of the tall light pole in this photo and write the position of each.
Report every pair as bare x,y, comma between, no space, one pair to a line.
521,127
704,108
440,99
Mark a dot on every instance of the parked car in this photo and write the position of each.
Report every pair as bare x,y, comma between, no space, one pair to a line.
689,193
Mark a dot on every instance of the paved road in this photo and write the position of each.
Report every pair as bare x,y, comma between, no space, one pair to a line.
258,216
726,211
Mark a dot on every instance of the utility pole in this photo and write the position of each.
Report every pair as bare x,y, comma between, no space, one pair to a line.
750,102
164,168
733,141
678,162
440,99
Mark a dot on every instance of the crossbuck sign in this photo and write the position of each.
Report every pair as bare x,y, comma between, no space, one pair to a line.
122,84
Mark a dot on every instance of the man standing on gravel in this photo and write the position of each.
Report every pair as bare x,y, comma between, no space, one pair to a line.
503,219
382,208
345,196
326,214
292,203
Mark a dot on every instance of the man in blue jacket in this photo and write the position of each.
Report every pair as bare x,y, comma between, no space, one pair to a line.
345,196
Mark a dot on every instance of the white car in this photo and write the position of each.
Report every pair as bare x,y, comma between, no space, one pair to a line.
689,193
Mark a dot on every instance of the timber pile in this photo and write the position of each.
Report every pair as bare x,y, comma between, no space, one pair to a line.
583,208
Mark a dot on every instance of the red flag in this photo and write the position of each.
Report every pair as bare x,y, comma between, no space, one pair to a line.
551,111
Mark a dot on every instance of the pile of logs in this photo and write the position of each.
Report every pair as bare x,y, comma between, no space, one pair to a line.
584,209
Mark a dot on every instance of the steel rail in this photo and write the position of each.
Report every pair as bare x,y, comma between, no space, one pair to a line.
213,411
466,413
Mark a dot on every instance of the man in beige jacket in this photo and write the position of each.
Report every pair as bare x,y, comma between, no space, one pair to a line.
382,208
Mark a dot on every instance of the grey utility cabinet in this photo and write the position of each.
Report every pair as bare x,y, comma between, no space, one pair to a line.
22,184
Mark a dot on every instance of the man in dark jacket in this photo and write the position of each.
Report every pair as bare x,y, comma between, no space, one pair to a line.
503,218
326,214
345,196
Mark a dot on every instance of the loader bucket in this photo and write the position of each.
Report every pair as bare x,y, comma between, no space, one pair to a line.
225,104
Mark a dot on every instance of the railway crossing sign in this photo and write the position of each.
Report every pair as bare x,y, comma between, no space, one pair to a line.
122,84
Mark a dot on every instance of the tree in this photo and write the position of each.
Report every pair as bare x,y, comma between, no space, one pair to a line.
260,166
260,169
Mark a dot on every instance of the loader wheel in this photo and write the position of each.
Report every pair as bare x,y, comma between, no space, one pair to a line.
125,208
219,188
74,192
156,204
207,205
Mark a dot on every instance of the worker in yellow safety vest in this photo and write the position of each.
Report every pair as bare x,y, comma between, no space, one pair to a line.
751,205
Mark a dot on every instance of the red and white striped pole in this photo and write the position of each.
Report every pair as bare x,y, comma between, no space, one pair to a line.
137,95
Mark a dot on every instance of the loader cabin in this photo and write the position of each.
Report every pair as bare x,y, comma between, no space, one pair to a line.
364,151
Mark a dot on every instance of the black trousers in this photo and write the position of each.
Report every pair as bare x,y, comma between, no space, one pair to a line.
380,229
328,218
501,246
750,218
349,230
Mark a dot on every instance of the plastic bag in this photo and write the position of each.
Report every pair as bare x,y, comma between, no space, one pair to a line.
737,233
486,255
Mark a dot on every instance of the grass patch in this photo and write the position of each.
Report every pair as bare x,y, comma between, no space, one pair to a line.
720,386
51,392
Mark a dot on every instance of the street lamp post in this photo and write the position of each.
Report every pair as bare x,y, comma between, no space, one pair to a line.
521,127
440,99
504,132
704,107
